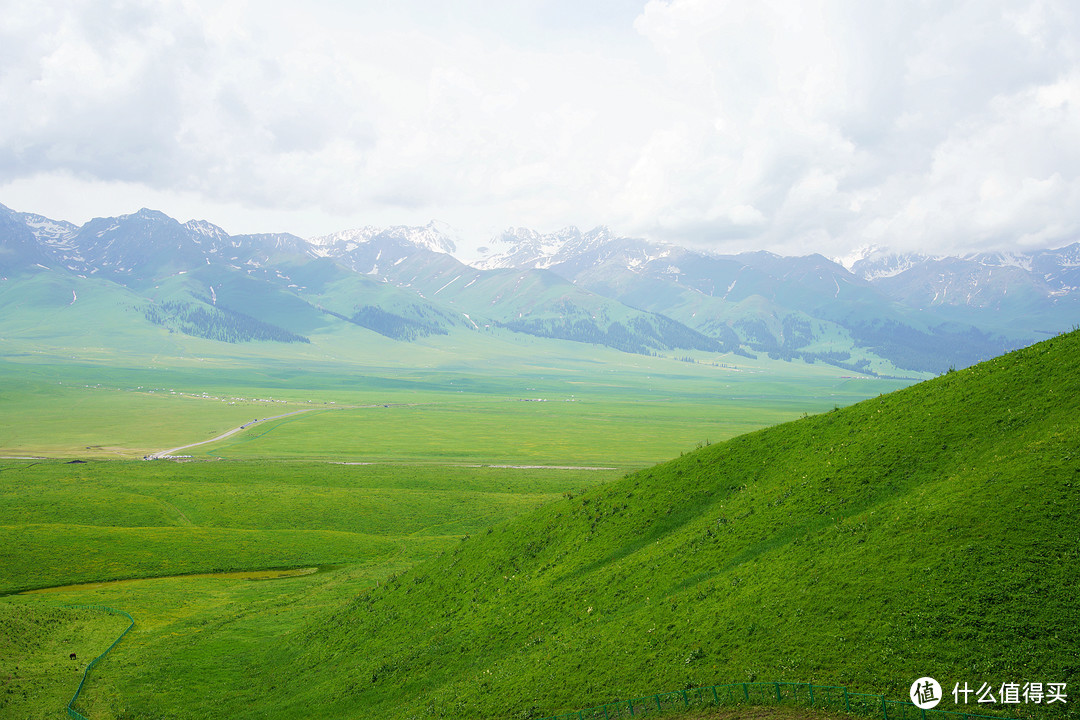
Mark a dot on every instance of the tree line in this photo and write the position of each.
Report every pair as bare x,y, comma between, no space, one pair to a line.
217,323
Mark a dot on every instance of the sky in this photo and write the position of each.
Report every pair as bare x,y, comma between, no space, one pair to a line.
795,126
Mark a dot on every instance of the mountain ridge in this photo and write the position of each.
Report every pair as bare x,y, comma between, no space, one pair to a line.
888,314
401,282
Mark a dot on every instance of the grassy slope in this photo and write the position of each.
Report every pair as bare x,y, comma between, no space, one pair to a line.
204,637
37,675
931,531
97,521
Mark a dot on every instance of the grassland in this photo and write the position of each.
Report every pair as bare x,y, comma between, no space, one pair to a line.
97,522
931,531
562,432
226,647
36,640
598,406
100,521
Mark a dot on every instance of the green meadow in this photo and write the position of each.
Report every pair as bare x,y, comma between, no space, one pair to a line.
105,524
929,531
551,407
389,470
107,520
37,674
622,433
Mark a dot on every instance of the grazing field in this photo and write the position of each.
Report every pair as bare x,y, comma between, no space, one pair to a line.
105,524
38,676
455,444
106,520
622,433
928,532
604,407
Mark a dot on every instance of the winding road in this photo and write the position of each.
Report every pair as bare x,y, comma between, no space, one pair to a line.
164,454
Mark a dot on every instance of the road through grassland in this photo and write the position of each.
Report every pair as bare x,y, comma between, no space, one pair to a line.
169,453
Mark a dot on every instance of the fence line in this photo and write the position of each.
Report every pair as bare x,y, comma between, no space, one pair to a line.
766,693
752,693
71,711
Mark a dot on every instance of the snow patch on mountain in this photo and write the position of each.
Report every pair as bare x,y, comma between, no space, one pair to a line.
522,248
435,236
204,229
879,264
1002,259
48,232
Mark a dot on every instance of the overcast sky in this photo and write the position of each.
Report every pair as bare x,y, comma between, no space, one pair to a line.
797,126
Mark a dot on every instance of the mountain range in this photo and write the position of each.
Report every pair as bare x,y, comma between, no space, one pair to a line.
885,313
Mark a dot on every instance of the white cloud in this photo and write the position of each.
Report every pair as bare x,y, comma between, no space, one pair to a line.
844,123
809,125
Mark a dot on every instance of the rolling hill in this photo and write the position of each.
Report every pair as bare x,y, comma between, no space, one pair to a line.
931,531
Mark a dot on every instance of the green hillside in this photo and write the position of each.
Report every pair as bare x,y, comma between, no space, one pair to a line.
928,532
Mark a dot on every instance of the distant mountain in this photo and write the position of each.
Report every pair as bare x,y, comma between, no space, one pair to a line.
524,248
879,264
20,248
1055,272
1034,291
888,313
434,236
51,233
401,282
917,312
527,300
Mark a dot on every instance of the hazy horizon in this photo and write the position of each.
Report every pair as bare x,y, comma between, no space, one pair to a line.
475,250
791,127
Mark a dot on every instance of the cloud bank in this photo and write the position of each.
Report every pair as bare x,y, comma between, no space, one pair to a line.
797,126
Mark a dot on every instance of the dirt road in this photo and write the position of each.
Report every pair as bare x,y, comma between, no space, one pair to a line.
169,453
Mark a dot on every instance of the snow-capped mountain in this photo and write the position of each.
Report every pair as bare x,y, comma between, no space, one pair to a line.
26,238
381,252
19,247
974,280
781,304
47,231
1059,268
890,311
216,236
569,248
525,248
880,264
139,246
434,237
148,245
